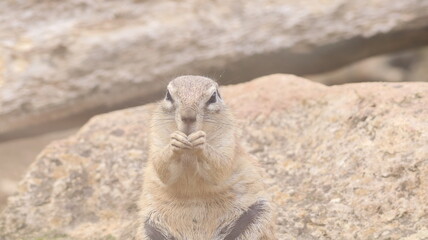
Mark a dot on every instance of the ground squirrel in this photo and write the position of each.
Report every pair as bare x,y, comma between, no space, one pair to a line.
199,184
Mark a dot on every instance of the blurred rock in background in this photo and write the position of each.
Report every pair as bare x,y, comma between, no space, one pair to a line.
74,59
406,66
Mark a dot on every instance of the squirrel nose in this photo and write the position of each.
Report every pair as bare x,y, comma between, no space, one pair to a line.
188,116
188,120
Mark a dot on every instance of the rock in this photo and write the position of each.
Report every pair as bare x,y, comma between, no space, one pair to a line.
341,162
77,58
17,155
409,66
374,69
418,71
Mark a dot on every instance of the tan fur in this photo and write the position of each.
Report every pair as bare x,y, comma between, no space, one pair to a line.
203,182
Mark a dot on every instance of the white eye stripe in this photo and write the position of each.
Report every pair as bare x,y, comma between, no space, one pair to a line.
218,94
213,108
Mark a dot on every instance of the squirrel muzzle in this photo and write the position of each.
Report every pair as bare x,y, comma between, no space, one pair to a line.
187,122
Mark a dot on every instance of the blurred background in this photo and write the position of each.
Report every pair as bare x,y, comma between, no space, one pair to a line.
62,62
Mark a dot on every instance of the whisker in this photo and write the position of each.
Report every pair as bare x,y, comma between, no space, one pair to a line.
159,124
163,119
218,122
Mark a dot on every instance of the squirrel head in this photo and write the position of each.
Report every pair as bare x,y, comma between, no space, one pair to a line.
193,103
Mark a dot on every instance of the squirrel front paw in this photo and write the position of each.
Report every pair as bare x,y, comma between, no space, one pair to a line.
198,140
179,142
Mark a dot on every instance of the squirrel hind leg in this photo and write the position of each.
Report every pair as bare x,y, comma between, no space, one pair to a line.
154,233
255,214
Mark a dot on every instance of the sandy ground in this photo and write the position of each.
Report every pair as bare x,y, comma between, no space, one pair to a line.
17,155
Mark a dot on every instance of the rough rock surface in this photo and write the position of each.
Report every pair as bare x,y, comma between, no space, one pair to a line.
342,162
64,58
17,155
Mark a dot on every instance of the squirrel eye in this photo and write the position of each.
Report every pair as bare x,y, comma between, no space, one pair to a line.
168,96
213,98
